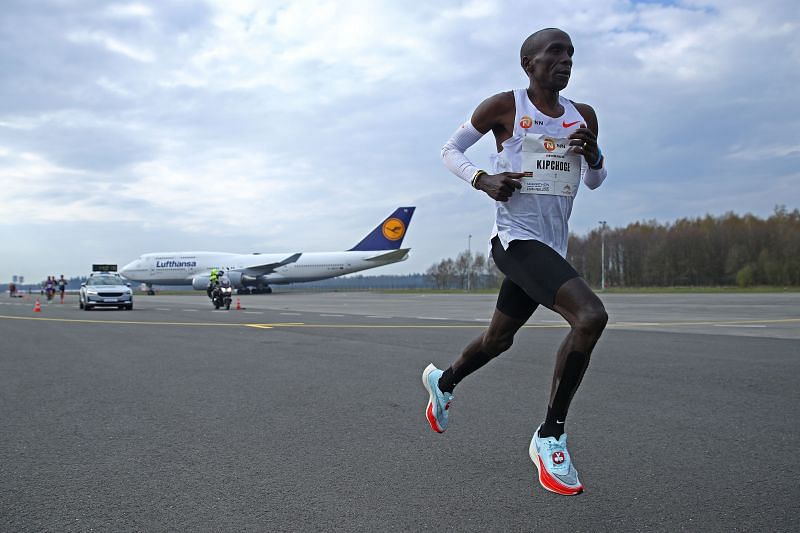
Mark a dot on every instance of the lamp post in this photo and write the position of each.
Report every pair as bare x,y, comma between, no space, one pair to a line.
469,257
603,227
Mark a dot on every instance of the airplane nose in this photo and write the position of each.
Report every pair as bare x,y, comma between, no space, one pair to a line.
127,268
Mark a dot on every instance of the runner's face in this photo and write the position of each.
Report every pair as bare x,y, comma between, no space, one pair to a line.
551,66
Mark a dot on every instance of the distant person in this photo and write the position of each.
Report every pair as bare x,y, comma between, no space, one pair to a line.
212,282
12,289
546,145
62,287
50,287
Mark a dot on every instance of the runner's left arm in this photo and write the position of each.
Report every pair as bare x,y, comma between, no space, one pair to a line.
584,139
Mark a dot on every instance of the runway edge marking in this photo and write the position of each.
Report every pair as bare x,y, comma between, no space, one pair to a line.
398,326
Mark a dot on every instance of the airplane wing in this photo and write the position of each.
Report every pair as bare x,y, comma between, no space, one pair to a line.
260,270
394,255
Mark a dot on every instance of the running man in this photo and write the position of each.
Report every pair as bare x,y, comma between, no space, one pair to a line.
546,145
62,287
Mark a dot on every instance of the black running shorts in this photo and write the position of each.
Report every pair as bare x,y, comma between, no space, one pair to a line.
534,273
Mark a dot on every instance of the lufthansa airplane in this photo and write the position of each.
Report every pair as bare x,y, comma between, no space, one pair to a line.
256,272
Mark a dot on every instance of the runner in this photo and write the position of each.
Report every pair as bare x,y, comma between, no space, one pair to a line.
62,287
50,288
546,145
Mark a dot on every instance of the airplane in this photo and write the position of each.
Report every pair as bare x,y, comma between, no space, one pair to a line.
254,273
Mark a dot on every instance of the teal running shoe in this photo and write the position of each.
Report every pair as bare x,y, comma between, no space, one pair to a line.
438,401
554,464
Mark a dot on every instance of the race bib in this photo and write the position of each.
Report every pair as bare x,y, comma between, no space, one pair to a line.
550,166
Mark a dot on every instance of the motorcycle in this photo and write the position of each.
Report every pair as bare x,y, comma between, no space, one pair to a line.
221,296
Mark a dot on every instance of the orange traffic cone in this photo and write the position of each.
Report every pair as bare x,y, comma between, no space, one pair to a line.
238,305
37,307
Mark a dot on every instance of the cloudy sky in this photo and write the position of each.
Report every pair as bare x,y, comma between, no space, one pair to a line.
272,126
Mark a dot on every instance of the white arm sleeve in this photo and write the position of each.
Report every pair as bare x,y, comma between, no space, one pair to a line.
453,152
594,177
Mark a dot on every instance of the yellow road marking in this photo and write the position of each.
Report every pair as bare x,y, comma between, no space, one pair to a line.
144,322
399,326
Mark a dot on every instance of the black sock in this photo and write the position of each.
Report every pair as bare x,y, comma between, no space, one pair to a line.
446,383
574,368
450,378
553,426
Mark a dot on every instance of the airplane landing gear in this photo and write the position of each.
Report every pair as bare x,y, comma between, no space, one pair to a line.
255,290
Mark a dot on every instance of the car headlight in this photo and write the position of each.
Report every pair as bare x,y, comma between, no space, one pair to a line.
91,291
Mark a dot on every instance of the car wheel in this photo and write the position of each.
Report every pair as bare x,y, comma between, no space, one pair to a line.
80,303
129,307
87,307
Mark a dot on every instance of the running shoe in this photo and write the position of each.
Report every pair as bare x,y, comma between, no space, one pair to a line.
552,460
438,402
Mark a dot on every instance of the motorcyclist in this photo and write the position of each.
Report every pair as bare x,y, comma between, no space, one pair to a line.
218,294
212,282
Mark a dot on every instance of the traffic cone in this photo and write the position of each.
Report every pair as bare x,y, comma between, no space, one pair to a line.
238,305
37,307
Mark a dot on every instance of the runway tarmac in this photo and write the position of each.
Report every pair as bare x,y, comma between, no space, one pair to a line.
304,411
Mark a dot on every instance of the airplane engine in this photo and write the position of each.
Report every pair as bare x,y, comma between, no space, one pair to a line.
200,283
240,281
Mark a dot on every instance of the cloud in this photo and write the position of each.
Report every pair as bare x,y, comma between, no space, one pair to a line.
250,122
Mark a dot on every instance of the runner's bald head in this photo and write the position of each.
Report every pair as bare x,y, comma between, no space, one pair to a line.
537,40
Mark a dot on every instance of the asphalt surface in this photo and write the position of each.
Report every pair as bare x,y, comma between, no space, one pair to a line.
304,412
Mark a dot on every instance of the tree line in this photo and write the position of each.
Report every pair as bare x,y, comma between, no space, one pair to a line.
727,250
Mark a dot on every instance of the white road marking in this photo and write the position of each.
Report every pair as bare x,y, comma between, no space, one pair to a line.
162,309
189,310
254,312
738,326
432,318
292,314
332,315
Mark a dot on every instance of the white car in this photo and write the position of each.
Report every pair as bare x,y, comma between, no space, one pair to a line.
105,289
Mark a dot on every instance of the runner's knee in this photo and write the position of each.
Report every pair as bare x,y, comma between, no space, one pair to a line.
591,320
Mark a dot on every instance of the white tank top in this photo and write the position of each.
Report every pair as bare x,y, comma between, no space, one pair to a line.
540,217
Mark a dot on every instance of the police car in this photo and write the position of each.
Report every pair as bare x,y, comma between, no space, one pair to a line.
105,288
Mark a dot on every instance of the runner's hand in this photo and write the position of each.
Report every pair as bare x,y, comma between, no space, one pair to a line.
585,142
500,186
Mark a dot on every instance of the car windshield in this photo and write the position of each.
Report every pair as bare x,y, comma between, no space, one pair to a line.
104,280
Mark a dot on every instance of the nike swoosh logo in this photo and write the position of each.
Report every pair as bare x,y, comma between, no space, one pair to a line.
569,124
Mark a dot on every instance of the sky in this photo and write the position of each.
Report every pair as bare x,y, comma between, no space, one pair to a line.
281,126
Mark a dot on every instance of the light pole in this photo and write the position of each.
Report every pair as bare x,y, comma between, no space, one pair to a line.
469,258
603,227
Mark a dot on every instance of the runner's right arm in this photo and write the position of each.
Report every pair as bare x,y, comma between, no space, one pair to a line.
488,115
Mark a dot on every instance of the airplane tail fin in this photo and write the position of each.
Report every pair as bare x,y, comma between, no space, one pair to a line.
389,233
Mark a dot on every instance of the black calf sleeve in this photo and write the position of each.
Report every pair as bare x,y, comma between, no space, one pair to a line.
571,376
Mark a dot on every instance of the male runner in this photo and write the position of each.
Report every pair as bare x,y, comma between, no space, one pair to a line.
546,145
62,287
